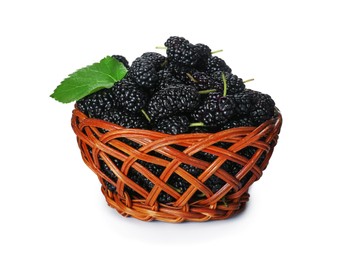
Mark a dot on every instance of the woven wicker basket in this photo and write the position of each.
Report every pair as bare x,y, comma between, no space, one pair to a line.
100,141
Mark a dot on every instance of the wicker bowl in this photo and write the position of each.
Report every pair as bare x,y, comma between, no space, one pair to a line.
102,142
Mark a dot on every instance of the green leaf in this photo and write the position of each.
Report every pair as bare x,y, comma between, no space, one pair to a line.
90,79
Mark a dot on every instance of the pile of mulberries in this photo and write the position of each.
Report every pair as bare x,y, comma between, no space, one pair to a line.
188,90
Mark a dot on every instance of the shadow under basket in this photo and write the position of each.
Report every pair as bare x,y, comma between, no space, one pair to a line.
174,178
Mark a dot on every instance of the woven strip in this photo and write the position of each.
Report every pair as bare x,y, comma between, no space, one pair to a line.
103,141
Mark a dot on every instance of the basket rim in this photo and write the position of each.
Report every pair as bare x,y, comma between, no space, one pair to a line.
276,120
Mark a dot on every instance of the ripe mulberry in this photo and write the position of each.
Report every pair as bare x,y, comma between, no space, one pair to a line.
143,73
215,110
173,100
255,105
156,59
172,125
109,173
122,59
167,78
96,104
215,64
126,120
263,109
180,50
234,83
237,122
203,81
129,97
205,54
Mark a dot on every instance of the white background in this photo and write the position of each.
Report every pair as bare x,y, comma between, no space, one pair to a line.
306,54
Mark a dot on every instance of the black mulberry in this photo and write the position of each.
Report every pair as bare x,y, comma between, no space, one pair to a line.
215,64
168,78
178,183
174,100
244,102
263,109
214,183
126,120
257,106
234,83
96,104
191,169
202,81
249,151
143,73
156,59
237,122
181,51
205,54
122,59
129,97
109,173
215,110
172,125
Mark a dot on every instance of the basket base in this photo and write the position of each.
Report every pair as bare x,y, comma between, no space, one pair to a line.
128,207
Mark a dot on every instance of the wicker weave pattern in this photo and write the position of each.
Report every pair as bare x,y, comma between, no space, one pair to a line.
103,139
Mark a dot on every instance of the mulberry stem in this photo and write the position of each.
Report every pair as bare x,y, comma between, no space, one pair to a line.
224,202
207,91
160,47
191,78
146,115
201,195
224,85
164,63
196,124
176,189
248,80
214,52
